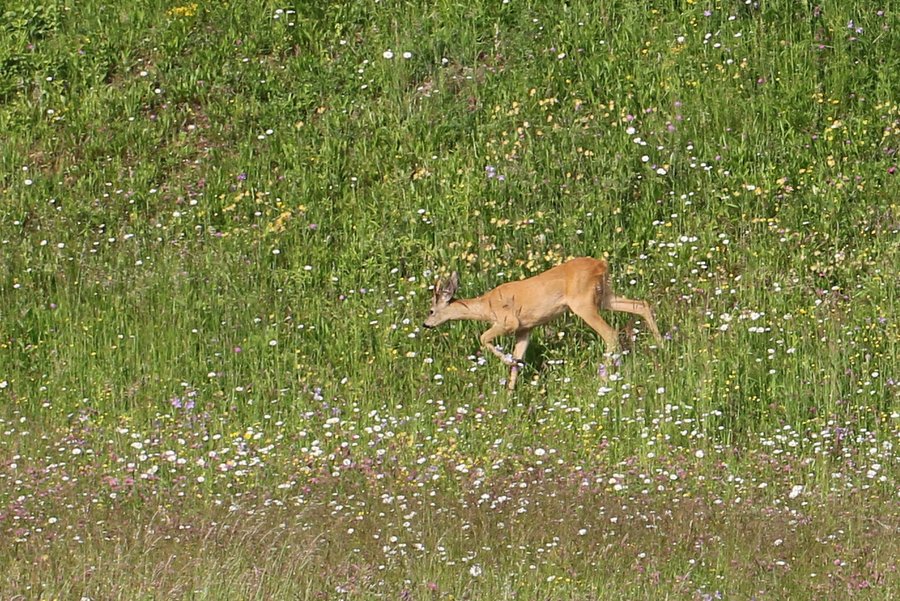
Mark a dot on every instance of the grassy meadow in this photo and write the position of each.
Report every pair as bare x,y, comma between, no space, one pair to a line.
219,228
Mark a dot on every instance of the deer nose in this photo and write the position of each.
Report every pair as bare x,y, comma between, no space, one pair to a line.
425,325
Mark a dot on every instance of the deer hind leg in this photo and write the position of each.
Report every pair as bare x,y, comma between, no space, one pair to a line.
518,355
588,312
636,307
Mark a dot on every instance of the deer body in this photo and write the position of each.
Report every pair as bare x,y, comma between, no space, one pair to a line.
515,308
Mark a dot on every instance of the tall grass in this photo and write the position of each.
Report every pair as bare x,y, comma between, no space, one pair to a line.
219,224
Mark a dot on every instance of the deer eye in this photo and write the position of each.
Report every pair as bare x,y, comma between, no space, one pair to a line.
431,311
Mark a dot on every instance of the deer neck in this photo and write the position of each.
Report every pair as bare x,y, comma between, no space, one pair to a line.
469,308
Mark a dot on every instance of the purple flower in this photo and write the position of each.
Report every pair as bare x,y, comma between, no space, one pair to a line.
241,177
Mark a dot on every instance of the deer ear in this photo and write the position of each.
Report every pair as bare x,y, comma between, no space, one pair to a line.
438,287
451,285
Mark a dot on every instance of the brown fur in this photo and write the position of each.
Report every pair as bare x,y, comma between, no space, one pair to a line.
580,285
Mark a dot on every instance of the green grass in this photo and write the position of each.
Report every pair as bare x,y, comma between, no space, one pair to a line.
219,224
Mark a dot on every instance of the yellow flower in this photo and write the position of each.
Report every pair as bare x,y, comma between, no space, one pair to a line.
188,10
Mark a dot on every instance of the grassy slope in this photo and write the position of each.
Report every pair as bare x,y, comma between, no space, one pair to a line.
240,210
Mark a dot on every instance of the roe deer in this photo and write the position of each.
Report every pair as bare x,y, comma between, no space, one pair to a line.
579,285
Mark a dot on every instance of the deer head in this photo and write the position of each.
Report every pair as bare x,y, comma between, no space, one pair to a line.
443,296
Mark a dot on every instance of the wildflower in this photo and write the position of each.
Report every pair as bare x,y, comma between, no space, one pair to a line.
475,571
188,10
388,54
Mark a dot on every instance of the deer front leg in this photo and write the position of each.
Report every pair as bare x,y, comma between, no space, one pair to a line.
518,354
488,337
